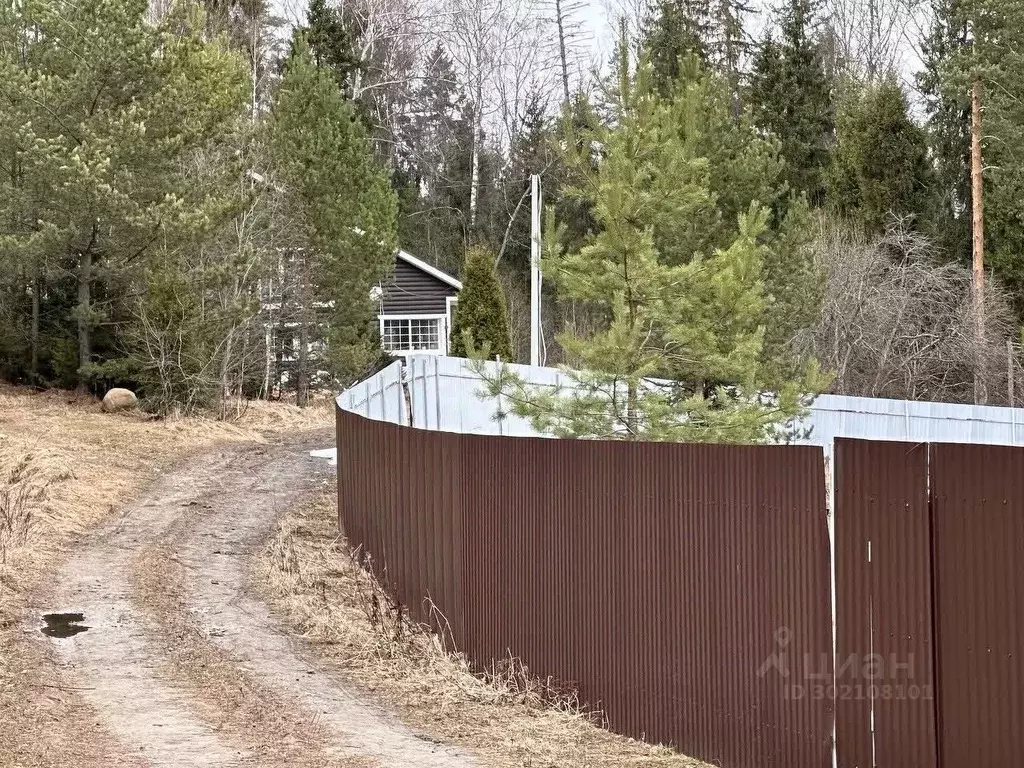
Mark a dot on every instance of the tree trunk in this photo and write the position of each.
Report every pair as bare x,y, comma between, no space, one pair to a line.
978,243
84,307
225,372
279,337
560,21
306,314
36,286
254,73
872,26
268,338
301,371
474,181
282,328
632,411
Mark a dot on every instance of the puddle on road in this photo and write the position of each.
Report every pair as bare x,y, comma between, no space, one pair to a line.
62,625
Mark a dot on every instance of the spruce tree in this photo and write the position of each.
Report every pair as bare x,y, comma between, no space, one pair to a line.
880,166
481,316
434,212
711,32
675,30
532,152
791,97
948,127
331,40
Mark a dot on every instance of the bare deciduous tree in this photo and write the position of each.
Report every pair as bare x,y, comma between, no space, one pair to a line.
569,40
495,47
872,37
897,321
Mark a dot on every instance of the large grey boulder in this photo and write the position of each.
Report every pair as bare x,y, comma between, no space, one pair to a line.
119,399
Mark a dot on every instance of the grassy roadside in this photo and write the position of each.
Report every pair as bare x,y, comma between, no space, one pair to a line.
308,576
64,468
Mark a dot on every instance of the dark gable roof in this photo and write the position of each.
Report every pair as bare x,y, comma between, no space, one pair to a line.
417,288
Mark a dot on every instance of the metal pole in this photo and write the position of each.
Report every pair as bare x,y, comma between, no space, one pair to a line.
1009,369
535,272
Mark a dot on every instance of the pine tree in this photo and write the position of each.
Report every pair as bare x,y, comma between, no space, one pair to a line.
340,218
980,44
744,169
695,320
98,128
880,167
481,316
791,97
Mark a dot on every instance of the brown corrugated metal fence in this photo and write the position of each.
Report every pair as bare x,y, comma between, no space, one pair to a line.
929,548
885,707
682,589
978,519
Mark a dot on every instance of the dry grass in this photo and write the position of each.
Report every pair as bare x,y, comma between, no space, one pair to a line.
22,487
64,466
310,576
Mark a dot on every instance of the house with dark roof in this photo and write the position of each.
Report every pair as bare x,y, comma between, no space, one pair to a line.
417,307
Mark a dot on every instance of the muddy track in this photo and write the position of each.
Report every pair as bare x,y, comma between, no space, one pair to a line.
163,593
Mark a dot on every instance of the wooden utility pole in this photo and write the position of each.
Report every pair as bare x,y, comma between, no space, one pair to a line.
978,243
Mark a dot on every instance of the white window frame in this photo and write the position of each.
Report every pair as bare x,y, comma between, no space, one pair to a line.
449,303
442,334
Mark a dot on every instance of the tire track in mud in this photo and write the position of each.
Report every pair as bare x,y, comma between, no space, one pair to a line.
163,591
113,662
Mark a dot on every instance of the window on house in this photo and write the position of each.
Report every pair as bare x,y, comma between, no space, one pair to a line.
412,335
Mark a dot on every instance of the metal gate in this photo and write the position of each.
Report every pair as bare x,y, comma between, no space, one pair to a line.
929,622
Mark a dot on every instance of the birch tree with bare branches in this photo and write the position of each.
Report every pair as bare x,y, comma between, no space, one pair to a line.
872,37
493,45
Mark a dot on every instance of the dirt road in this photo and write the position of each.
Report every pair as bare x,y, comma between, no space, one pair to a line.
182,663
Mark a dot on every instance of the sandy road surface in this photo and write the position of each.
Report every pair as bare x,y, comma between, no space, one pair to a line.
189,538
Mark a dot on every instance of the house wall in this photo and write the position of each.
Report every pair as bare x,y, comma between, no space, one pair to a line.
414,292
